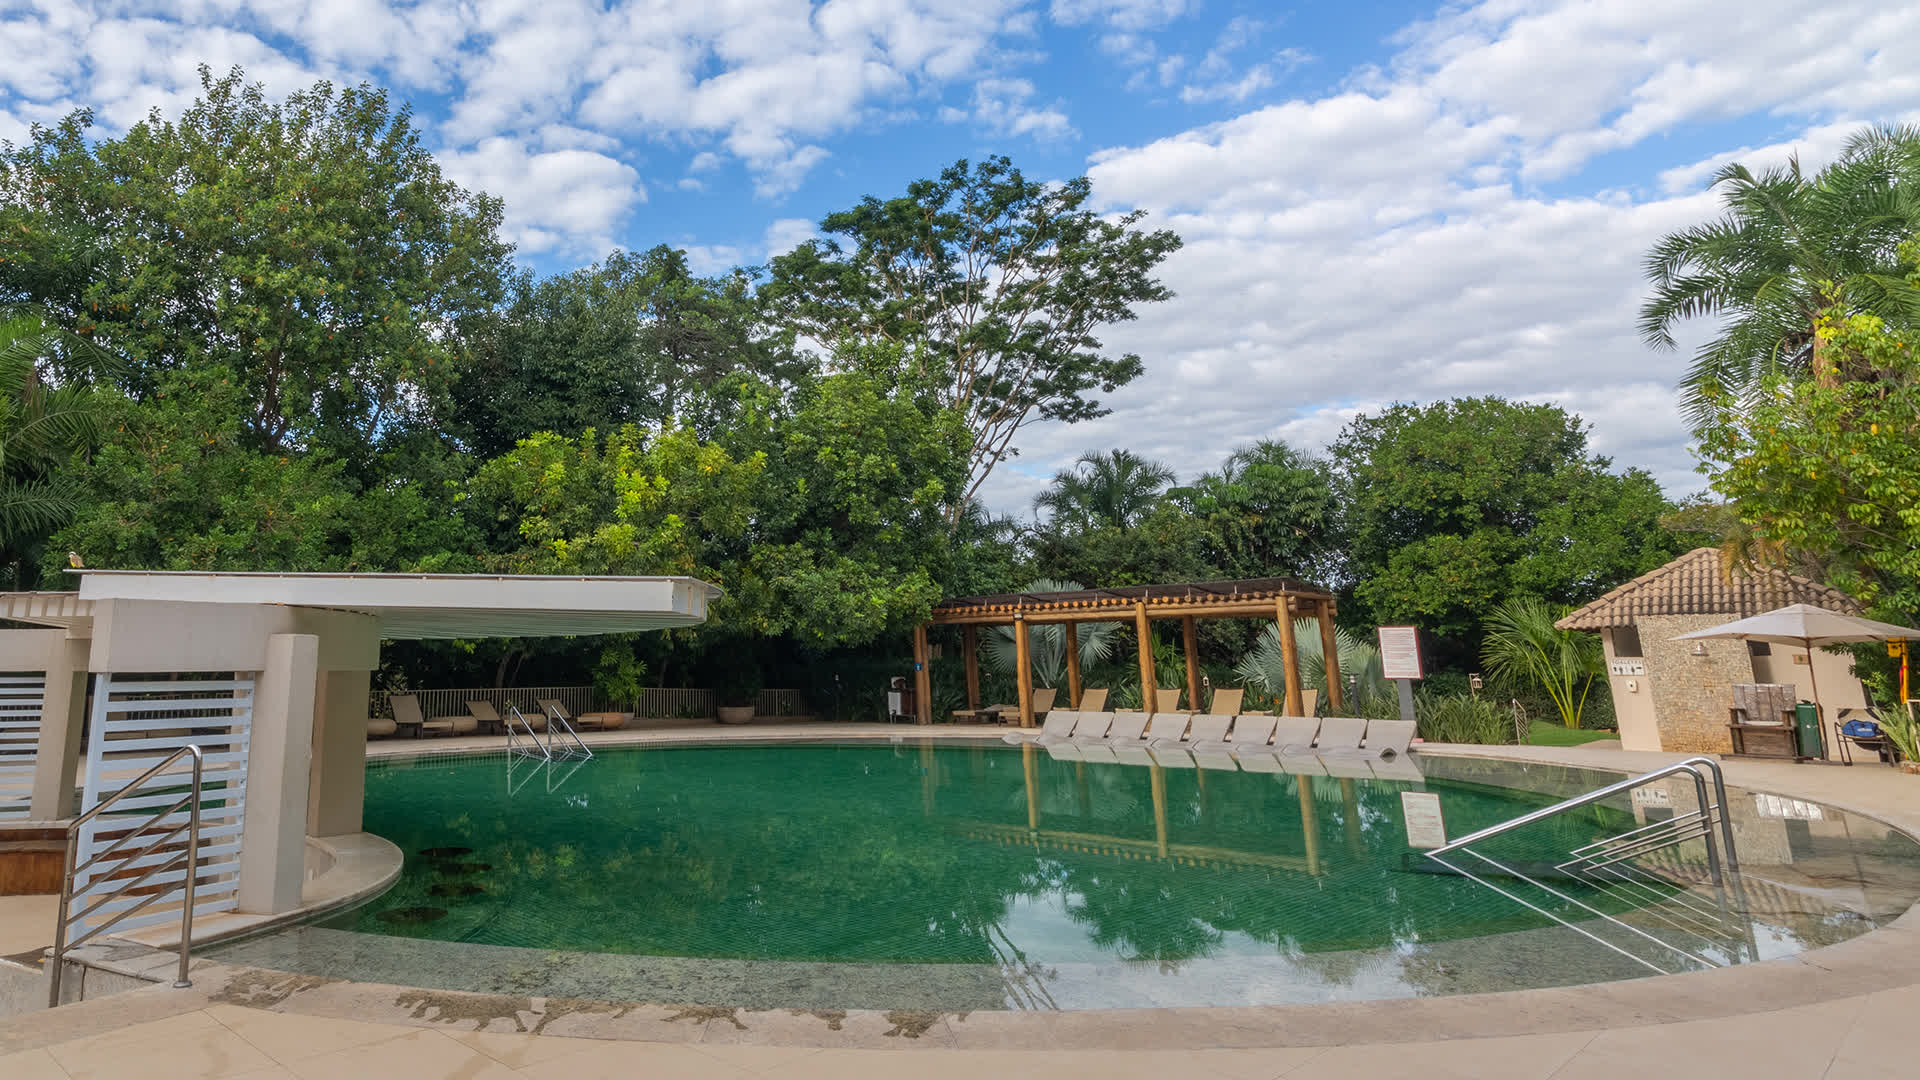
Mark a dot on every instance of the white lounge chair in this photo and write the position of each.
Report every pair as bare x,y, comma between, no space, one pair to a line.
1293,735
1126,727
1059,724
1206,729
1092,727
1167,727
1388,738
1339,735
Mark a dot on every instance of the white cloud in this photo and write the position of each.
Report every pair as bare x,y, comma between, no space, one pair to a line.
1004,106
567,201
1387,241
1123,14
788,233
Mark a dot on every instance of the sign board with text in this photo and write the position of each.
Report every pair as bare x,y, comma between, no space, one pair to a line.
1626,667
1426,828
1400,653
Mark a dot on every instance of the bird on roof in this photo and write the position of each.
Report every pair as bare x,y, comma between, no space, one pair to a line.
73,560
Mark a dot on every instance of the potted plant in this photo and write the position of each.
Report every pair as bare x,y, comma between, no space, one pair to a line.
737,693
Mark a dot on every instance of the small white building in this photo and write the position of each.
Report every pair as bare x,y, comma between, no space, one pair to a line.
269,674
1674,695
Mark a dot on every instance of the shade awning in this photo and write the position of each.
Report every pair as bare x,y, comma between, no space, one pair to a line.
1806,625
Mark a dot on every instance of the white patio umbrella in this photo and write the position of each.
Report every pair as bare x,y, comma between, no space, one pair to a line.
1808,627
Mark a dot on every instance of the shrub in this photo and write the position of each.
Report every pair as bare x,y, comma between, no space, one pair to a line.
1462,718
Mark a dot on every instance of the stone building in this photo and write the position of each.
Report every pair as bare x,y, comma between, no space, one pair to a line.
1674,695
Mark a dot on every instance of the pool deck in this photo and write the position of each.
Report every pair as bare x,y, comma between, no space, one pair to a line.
1837,1013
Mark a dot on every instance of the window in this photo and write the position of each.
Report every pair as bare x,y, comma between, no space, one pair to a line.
1759,648
1626,642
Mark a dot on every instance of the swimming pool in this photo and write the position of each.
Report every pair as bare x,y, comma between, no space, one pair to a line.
921,875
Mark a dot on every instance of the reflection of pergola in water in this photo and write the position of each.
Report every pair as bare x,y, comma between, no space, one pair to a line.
1281,599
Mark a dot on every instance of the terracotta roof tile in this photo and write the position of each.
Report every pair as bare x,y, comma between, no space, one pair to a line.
1694,585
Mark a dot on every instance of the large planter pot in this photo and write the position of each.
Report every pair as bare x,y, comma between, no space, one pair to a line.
735,714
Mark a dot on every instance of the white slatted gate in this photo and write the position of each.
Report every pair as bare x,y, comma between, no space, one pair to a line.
137,720
21,697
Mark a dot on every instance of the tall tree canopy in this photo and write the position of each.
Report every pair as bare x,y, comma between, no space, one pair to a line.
1456,506
1789,248
995,287
309,251
1112,490
1269,510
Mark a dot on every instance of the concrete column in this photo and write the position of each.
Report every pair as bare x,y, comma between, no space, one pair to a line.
337,789
63,716
273,837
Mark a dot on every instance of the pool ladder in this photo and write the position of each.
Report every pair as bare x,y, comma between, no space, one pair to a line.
1612,864
523,741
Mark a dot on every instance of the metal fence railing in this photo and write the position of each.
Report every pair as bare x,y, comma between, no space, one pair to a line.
670,703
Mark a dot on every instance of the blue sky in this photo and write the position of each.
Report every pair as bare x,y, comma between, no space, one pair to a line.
1381,201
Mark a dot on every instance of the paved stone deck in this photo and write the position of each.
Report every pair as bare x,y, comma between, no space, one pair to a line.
1840,1013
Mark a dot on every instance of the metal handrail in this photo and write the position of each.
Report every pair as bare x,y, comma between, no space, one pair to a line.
190,858
554,716
1691,766
513,740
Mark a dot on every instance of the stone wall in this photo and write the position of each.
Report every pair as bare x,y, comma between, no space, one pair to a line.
1691,694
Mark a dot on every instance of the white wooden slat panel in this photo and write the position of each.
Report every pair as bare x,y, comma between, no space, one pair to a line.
20,703
136,723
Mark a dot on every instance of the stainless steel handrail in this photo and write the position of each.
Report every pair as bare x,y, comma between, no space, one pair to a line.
189,858
554,716
513,740
1690,765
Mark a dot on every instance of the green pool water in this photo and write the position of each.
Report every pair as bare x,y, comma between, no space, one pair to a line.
985,876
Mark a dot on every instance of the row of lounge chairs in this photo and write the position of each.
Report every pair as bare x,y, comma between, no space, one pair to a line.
1335,745
480,716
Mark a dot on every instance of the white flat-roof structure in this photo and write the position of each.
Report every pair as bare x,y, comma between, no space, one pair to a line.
269,673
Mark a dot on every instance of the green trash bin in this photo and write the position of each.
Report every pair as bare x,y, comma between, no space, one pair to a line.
1806,721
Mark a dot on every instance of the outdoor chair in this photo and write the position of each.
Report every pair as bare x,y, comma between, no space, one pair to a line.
1293,735
1226,702
406,713
379,727
1092,726
1252,731
1166,727
1384,738
1763,712
1862,729
1339,735
554,707
492,721
1209,731
1042,705
1093,700
1119,727
1058,725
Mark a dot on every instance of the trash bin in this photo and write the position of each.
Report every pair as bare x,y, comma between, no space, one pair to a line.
1806,720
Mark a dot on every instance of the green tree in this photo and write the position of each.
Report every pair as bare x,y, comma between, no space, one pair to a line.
1269,511
1453,507
44,426
1834,470
1788,248
1114,490
636,339
1523,646
309,251
994,286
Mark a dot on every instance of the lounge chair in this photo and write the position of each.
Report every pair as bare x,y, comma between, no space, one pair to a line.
1209,730
1226,702
491,719
1058,725
1339,735
1092,726
1093,701
1252,731
1113,726
406,713
379,727
1042,705
1167,728
1293,735
1387,738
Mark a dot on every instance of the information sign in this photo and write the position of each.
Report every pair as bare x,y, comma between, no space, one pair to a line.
1425,827
1400,653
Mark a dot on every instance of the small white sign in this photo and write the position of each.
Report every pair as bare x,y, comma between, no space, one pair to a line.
1426,828
1400,653
1627,667
1652,796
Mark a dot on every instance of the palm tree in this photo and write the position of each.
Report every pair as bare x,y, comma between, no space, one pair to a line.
1047,642
1111,490
42,426
1523,645
1789,249
1264,666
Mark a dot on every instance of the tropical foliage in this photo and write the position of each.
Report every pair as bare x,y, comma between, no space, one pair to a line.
1368,693
1523,646
1789,249
1047,642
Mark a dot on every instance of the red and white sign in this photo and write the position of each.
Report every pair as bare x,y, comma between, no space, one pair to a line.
1400,653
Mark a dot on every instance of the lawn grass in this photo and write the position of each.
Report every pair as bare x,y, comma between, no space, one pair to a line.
1548,733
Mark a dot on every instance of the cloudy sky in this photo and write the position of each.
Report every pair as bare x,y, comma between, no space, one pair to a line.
1381,201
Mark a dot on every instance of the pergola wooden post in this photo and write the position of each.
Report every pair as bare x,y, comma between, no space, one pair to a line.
1140,605
1330,659
1072,649
1309,822
1289,657
1147,685
1023,653
1187,635
970,644
922,676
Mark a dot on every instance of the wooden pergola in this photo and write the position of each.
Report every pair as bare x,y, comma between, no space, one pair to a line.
1281,599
